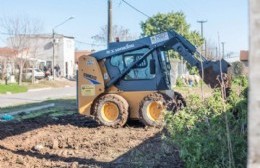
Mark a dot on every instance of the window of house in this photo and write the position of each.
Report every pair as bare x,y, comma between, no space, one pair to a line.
140,71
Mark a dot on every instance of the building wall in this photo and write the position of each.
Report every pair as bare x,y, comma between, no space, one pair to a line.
43,50
254,80
178,68
64,50
69,58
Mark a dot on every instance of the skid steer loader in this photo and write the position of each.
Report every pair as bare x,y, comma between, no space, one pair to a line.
131,80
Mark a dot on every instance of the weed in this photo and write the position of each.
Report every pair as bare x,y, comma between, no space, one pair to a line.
200,131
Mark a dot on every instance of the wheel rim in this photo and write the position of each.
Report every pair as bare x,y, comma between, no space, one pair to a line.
109,112
154,110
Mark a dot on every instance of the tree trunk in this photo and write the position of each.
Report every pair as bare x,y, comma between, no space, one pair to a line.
4,69
254,91
33,75
20,74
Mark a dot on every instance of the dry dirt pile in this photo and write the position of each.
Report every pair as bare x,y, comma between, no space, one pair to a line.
77,141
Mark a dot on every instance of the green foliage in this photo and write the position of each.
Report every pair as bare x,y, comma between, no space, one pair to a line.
13,88
180,82
241,80
238,68
192,70
171,21
200,131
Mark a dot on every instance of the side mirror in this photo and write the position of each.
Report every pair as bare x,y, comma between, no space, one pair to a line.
152,66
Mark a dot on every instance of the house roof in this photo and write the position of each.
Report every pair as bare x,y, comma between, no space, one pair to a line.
49,36
244,55
80,53
7,52
43,36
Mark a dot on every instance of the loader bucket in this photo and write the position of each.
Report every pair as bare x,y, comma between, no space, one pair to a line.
213,71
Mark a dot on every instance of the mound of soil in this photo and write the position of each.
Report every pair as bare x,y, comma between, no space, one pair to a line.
77,141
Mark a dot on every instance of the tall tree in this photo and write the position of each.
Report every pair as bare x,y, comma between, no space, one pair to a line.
171,21
20,29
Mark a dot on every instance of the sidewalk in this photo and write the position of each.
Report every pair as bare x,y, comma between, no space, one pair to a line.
36,95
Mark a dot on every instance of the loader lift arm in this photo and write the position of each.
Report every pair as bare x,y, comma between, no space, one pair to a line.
165,41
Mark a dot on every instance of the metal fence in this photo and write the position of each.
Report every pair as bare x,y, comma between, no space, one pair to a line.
178,67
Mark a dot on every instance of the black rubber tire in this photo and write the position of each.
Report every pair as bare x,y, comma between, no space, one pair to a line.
154,97
122,105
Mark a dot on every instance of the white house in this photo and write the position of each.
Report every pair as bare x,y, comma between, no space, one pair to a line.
48,50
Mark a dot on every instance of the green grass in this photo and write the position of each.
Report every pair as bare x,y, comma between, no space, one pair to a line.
13,88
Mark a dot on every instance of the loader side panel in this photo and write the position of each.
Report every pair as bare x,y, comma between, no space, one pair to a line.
90,83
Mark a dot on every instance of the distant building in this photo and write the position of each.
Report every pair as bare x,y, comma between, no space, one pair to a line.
7,59
42,53
244,57
79,53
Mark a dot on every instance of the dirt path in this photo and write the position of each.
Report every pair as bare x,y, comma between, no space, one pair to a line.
76,141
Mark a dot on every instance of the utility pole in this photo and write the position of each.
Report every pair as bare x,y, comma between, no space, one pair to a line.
109,22
53,43
223,49
201,32
216,52
202,71
254,82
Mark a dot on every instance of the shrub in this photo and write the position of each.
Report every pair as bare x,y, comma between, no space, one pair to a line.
238,68
241,80
180,82
211,132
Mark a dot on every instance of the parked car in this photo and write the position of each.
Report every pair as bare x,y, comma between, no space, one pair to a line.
38,74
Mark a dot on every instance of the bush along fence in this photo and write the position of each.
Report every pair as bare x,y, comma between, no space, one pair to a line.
211,132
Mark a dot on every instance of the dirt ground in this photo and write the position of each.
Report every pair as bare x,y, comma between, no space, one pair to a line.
77,141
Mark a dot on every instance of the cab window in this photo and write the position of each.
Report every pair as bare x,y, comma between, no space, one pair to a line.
140,71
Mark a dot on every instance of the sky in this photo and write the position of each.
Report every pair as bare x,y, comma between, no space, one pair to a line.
227,20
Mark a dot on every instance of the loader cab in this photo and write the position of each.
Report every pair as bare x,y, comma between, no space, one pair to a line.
151,74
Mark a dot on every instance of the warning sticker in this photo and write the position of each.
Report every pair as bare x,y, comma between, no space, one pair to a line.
87,90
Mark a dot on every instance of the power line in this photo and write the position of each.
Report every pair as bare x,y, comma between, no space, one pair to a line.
136,9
